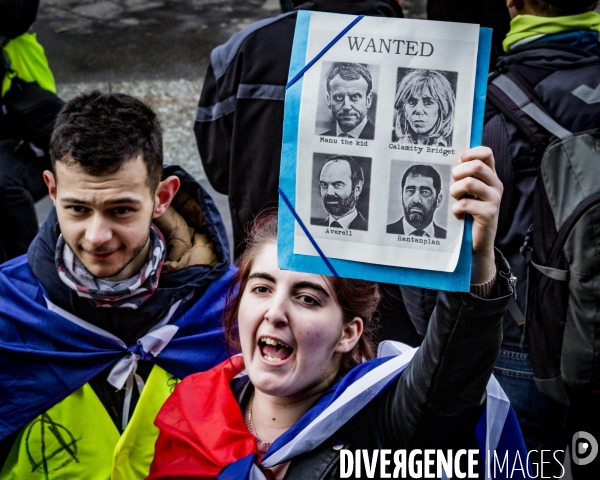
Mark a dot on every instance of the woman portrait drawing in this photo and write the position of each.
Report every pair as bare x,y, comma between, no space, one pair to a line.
424,109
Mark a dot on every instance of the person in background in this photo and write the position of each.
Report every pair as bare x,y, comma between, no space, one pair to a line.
487,13
239,125
552,47
28,108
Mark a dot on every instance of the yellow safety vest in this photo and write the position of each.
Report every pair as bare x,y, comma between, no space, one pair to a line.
76,438
27,61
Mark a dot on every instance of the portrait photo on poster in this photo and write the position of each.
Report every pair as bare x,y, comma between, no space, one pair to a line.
424,107
347,100
418,200
340,192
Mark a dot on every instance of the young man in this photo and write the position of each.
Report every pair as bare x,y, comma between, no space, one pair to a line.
119,297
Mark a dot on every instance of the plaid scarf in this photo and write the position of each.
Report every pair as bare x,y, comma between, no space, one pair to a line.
129,293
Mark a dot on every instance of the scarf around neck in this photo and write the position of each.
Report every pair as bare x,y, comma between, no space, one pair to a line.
129,293
532,27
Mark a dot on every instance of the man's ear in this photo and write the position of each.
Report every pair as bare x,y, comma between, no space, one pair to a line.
350,335
515,5
328,101
438,201
51,184
358,189
165,192
369,99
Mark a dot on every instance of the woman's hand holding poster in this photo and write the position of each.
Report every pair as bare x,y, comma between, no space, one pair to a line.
372,131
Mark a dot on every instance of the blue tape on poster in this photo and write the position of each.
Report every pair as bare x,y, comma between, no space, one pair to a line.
459,280
322,52
310,237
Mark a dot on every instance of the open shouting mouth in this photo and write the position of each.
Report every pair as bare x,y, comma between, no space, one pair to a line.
274,351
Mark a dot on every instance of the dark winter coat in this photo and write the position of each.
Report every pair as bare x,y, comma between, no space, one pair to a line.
239,122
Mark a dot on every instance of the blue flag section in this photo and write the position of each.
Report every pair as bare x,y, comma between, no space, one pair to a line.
46,355
457,280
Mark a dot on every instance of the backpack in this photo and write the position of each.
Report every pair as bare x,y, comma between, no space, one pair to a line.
562,247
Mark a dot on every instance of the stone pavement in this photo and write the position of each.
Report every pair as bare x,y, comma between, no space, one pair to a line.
117,40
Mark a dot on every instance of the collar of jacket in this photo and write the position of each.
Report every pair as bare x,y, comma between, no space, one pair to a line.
533,27
374,8
566,50
205,259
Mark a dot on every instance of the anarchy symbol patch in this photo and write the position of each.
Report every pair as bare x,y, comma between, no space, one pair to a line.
50,446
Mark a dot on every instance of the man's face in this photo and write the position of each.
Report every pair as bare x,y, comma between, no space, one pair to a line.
338,195
348,101
105,219
419,201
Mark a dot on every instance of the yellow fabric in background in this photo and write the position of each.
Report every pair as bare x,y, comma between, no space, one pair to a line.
28,62
525,26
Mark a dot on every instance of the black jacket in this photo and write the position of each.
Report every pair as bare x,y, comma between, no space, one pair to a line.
438,400
552,70
239,123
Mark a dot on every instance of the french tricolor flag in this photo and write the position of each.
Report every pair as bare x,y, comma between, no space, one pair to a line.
221,447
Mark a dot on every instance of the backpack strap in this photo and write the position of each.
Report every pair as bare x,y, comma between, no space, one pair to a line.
513,97
511,87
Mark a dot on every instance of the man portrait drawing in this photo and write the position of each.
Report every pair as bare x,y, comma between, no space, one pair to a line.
341,181
349,97
421,197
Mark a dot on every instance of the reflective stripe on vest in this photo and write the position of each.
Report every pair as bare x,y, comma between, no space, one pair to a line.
76,438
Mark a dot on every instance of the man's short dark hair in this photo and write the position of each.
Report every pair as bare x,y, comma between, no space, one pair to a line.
356,171
424,171
350,71
561,8
101,131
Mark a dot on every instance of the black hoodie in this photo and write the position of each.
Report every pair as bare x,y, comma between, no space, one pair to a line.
239,124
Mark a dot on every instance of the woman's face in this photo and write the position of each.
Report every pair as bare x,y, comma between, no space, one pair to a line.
291,329
422,111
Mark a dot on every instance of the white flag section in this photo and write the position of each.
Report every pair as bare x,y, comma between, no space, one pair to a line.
384,115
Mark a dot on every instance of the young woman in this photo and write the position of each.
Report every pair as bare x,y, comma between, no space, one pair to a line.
424,109
304,340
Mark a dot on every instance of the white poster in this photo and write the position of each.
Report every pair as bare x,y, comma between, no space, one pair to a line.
384,115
